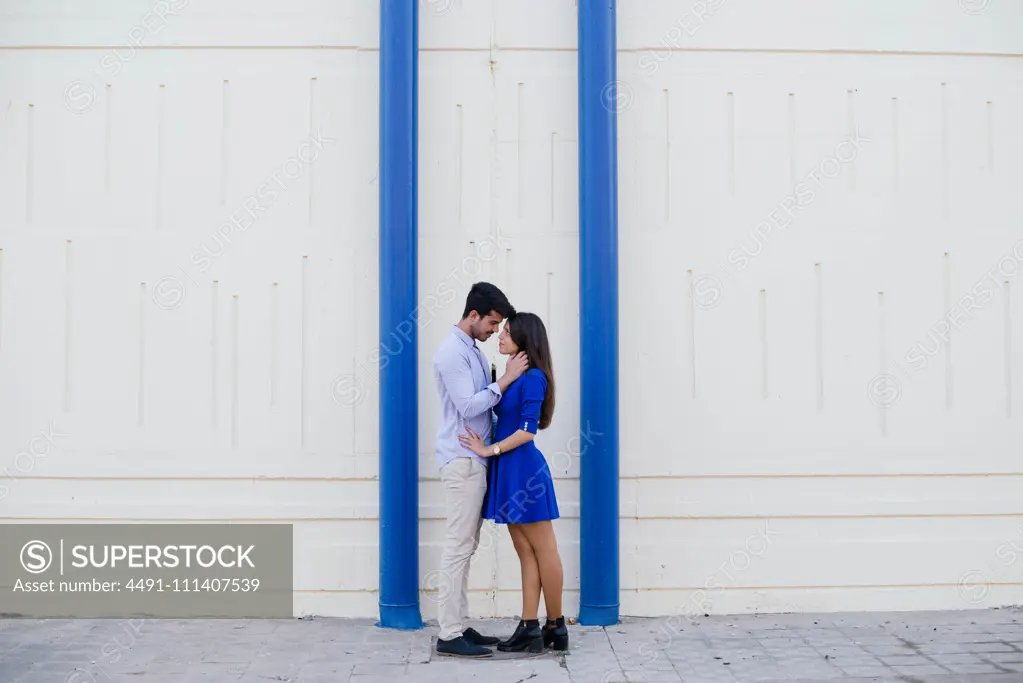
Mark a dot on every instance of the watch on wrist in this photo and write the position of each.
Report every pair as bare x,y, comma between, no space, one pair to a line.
497,449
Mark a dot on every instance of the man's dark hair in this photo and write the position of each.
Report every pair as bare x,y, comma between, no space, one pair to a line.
484,298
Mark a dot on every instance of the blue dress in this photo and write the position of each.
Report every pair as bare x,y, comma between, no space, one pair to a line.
520,489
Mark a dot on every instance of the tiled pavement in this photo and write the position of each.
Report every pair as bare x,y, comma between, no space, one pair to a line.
919,647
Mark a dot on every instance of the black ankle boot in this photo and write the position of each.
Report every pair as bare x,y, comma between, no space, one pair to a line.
555,634
527,636
515,636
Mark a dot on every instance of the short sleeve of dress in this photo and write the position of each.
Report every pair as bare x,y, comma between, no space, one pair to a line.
534,388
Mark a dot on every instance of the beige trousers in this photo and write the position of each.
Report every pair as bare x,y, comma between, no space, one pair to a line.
465,484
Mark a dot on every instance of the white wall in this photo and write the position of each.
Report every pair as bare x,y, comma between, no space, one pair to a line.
187,346
853,517
507,106
757,464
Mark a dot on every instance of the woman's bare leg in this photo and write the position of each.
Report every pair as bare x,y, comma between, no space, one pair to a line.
530,572
544,545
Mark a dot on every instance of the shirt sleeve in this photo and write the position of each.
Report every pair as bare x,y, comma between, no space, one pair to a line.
534,388
456,374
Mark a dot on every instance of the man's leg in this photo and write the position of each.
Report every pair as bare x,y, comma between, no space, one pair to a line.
465,483
476,538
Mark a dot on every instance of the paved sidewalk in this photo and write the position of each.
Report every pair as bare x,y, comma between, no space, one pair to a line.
920,647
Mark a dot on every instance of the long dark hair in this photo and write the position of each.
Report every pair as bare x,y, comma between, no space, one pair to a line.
529,334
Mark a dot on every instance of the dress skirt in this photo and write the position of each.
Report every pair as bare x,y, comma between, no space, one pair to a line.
520,489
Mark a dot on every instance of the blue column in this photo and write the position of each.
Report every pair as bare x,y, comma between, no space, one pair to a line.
399,424
598,312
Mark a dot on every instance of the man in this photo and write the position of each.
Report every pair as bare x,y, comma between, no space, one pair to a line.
467,396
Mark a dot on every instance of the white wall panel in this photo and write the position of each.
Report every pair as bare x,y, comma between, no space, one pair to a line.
153,341
142,24
970,26
497,133
913,507
775,340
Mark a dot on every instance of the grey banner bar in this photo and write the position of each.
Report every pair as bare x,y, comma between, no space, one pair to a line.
179,571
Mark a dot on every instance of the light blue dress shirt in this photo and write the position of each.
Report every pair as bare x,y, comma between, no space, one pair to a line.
466,395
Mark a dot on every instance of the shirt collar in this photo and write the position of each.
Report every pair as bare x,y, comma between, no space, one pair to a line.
463,337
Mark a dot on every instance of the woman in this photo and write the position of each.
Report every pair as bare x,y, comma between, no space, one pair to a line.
520,491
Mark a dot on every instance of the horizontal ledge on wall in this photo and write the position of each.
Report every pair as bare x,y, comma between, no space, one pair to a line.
335,590
512,48
186,520
292,520
638,477
825,475
421,590
821,51
864,586
851,515
221,520
853,586
257,478
159,48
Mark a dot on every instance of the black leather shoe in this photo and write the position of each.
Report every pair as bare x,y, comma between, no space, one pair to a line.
555,634
527,637
460,647
476,638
